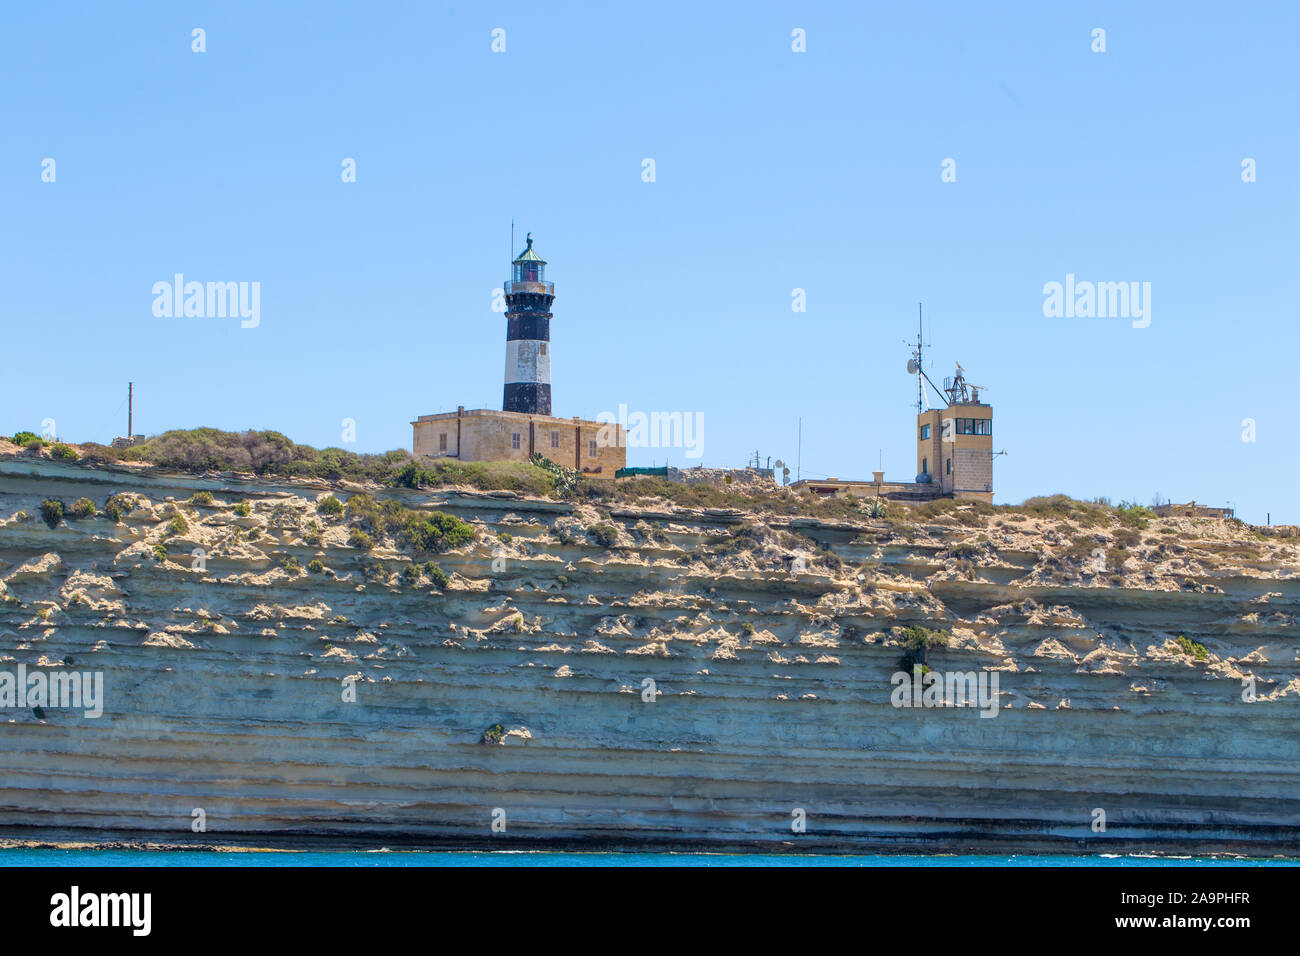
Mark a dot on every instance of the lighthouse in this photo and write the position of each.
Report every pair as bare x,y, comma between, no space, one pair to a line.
528,335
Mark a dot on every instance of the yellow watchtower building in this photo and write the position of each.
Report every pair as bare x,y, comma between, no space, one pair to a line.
954,445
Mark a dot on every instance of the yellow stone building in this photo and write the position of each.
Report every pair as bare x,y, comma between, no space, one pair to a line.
594,448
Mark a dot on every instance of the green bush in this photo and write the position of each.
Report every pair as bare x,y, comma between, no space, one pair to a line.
314,566
917,642
242,509
52,511
504,537
330,506
178,525
291,564
23,439
359,539
60,450
420,531
117,506
604,534
1134,515
202,498
436,531
1192,648
82,508
494,734
436,575
160,553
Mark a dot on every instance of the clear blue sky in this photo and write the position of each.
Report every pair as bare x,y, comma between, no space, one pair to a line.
775,170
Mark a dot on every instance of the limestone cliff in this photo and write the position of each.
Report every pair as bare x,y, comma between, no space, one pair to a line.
521,688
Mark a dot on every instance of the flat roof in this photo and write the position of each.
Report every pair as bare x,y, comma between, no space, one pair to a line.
509,416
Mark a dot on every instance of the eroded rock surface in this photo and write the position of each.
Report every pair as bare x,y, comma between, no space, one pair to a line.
694,683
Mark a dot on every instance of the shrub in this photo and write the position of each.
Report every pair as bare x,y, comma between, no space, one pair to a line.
604,534
437,575
565,480
418,530
23,439
964,551
117,506
1191,648
330,506
82,508
52,511
178,525
412,573
917,642
242,509
1134,515
60,450
201,498
314,566
504,537
747,628
359,539
291,564
160,553
436,532
494,734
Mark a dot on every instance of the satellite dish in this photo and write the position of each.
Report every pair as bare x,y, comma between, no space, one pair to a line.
911,366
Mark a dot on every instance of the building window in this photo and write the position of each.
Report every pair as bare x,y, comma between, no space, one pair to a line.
925,432
555,439
543,348
925,466
514,440
591,448
974,426
442,442
947,468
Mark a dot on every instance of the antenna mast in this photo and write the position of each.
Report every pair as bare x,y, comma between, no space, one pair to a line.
914,366
130,408
920,386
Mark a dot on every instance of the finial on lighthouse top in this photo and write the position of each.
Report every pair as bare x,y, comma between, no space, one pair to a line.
528,255
529,267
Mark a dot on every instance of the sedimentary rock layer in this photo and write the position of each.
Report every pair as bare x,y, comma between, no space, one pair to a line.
704,679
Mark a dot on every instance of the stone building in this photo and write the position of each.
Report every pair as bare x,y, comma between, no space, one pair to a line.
524,425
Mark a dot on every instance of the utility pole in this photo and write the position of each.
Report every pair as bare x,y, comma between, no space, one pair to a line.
130,408
798,472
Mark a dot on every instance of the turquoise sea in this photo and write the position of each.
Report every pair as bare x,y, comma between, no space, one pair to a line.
54,857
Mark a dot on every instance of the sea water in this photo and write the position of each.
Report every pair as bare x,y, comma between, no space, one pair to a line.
385,857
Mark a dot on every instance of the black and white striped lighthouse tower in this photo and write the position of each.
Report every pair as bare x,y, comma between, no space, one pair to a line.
528,335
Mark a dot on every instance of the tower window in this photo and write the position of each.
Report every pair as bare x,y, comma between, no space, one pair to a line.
442,442
591,448
925,432
925,466
947,469
555,439
543,348
514,440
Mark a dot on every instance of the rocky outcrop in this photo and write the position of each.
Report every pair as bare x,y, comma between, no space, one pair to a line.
701,678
